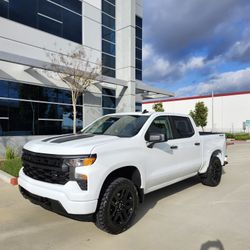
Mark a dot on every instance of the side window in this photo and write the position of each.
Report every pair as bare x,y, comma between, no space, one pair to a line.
182,127
160,125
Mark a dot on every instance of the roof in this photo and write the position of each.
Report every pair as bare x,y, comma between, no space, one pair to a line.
195,97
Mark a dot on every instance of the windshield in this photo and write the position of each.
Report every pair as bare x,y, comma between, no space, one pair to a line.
122,126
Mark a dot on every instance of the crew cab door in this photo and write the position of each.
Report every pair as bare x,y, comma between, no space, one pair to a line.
175,158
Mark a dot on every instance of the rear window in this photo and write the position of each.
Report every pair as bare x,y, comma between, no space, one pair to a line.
182,127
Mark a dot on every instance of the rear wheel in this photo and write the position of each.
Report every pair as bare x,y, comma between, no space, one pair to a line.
117,207
213,175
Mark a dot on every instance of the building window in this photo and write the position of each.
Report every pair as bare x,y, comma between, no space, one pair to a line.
34,110
108,101
56,17
108,38
138,49
138,107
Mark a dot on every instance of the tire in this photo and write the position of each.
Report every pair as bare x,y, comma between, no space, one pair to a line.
212,177
118,206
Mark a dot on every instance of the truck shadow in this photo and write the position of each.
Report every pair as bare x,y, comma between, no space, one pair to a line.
212,245
151,199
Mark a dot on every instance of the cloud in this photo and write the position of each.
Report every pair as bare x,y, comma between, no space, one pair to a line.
173,26
222,83
158,68
240,51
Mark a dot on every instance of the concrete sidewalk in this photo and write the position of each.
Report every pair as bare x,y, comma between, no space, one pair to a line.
185,216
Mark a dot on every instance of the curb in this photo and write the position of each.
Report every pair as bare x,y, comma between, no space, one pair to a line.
8,178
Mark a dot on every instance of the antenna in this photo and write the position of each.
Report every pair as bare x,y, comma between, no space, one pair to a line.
145,111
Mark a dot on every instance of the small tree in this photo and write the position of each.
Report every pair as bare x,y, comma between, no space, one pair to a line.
200,115
158,107
76,71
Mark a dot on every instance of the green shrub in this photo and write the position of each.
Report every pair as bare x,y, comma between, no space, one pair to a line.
230,135
12,166
242,137
238,136
10,153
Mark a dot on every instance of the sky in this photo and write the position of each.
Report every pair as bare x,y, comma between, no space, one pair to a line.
194,47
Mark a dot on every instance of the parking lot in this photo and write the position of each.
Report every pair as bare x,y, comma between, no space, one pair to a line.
183,216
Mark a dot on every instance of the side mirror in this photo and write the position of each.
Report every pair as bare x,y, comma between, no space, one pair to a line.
155,138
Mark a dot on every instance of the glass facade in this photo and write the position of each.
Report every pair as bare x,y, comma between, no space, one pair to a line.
108,101
56,17
108,38
33,110
138,49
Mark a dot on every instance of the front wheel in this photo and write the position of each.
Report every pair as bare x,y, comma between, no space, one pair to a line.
213,175
117,207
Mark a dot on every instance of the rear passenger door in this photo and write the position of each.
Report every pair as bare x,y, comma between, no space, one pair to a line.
186,146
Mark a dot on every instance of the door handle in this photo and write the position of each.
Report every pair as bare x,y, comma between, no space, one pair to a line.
197,144
173,147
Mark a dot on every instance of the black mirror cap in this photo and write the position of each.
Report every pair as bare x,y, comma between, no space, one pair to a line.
157,138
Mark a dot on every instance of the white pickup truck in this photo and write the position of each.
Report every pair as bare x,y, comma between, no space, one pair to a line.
108,167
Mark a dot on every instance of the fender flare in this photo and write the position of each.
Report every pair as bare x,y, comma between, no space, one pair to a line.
216,153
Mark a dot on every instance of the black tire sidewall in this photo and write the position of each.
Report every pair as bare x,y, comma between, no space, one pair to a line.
104,209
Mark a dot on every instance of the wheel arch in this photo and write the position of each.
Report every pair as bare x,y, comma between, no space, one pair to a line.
130,172
215,153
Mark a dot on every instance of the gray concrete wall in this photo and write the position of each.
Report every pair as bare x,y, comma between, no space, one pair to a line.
15,142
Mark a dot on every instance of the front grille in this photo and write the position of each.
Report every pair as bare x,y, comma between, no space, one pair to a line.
45,168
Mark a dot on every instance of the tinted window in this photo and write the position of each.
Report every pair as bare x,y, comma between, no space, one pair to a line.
49,25
138,32
182,127
106,91
138,74
3,88
4,108
14,90
24,11
138,64
108,47
108,102
138,43
4,6
108,61
138,21
50,9
138,53
108,21
108,72
22,118
111,1
108,8
160,125
72,26
108,34
74,5
108,111
48,94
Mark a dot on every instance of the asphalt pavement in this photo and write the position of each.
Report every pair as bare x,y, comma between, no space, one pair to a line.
185,216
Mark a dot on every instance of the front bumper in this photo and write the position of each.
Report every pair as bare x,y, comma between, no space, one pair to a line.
69,196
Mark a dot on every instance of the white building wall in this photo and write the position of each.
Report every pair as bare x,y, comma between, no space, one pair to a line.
230,111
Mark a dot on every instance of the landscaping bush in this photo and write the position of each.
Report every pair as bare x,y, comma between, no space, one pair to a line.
10,153
12,166
238,136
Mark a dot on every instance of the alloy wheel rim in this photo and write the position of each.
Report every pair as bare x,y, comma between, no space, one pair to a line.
121,206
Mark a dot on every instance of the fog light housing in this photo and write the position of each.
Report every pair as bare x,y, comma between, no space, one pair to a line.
82,181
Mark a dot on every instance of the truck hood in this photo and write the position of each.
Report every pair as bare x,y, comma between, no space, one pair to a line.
69,144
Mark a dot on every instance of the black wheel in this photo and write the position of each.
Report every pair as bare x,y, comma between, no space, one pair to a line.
213,175
117,207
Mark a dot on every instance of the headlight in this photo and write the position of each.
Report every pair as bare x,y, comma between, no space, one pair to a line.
80,162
